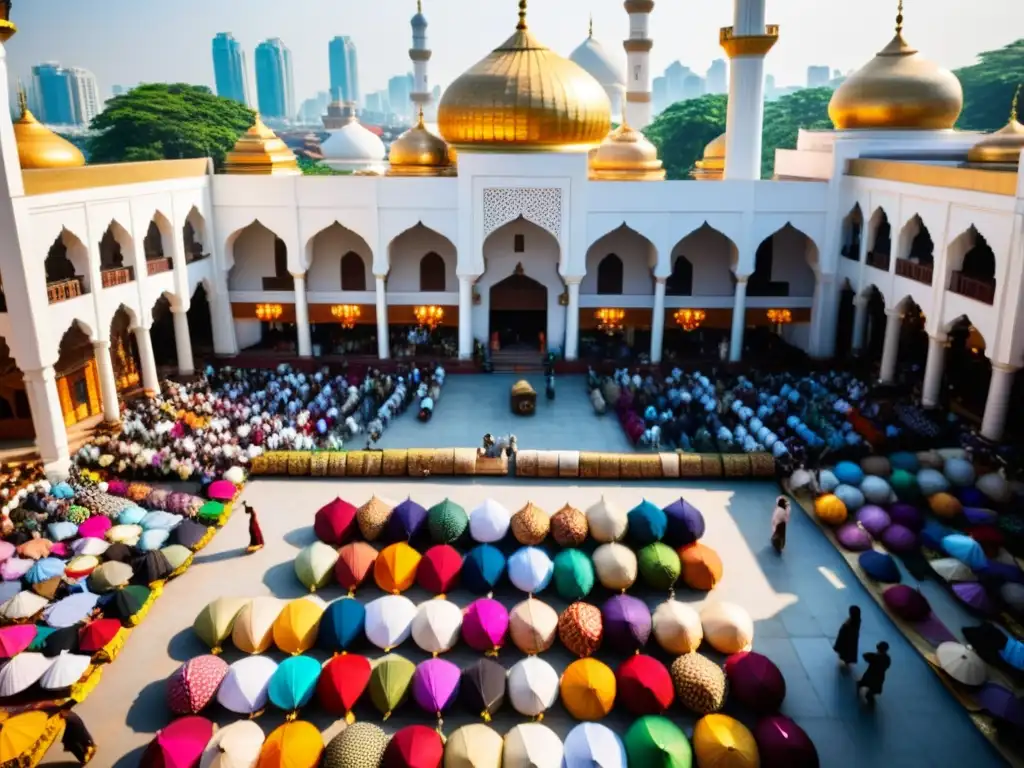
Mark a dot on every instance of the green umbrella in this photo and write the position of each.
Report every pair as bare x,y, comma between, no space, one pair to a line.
390,679
42,632
574,575
314,565
211,511
447,522
656,742
214,623
659,565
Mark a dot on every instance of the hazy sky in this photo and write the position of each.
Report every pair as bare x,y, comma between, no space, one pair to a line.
131,41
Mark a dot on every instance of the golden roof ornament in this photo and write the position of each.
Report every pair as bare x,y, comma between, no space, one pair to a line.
38,146
712,166
260,152
625,155
418,152
7,27
1004,146
898,89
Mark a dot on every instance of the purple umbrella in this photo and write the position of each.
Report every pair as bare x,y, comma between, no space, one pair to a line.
907,603
874,519
1001,703
406,520
973,595
980,516
435,685
685,524
899,538
971,497
854,538
70,610
627,623
906,515
485,625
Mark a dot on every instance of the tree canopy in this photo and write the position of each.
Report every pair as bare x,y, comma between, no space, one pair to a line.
162,121
989,86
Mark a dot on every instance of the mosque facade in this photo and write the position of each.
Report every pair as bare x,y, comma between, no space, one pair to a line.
521,211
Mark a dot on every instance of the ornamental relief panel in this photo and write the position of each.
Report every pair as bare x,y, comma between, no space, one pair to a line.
540,205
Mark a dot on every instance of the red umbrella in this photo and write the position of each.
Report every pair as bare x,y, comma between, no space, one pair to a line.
15,639
781,743
415,746
335,523
355,563
342,682
989,537
644,685
439,569
755,682
179,745
95,635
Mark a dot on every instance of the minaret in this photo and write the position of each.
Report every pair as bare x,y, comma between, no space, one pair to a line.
420,55
638,58
746,43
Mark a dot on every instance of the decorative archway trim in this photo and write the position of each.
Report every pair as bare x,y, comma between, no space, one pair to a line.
539,205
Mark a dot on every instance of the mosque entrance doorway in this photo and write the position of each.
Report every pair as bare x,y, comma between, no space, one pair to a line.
519,312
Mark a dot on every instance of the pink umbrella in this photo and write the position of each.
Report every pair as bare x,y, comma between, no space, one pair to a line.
15,639
6,550
195,683
435,684
94,527
485,625
755,682
221,490
781,743
179,745
907,603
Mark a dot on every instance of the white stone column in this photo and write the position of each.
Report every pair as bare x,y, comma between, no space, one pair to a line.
150,377
638,46
572,321
739,320
998,402
108,384
383,340
302,316
183,342
931,391
891,348
47,418
860,324
658,321
465,317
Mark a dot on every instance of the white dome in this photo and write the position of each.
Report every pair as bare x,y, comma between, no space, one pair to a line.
353,147
599,64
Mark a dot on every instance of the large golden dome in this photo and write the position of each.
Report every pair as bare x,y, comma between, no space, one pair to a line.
524,96
898,88
1005,145
625,155
39,147
712,167
260,152
418,152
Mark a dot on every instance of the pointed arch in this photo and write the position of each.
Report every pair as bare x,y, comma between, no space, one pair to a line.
329,251
194,235
353,272
971,263
853,231
784,264
432,273
124,353
880,245
680,282
621,261
407,255
67,267
259,258
711,256
610,276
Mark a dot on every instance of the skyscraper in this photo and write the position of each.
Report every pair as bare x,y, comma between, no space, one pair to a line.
53,92
275,84
718,77
85,95
399,94
818,77
229,68
344,66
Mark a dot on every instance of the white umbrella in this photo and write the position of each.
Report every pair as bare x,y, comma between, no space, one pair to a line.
607,521
961,663
532,625
532,745
489,522
389,620
530,569
950,569
124,534
435,628
677,627
244,688
22,672
23,605
253,628
532,686
592,745
727,627
90,546
236,745
66,670
615,566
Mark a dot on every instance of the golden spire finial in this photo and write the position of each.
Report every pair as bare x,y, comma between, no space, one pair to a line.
419,122
419,6
1013,105
522,15
899,18
23,99
590,32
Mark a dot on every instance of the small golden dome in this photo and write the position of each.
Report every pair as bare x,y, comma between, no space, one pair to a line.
524,96
898,88
260,152
712,166
1005,145
625,155
39,147
418,152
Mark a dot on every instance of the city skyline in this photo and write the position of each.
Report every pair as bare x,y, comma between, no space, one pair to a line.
382,34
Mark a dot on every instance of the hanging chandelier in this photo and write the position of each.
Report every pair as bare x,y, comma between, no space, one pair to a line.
346,314
429,317
268,313
780,316
690,319
610,320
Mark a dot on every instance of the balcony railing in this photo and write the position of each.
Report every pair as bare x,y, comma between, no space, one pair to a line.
191,257
878,260
156,266
116,276
279,283
62,290
922,273
973,288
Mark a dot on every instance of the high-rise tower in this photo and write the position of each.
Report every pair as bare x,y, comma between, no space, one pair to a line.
229,68
420,55
638,59
344,66
274,80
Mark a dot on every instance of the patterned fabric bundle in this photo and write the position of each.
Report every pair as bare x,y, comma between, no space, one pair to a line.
138,492
700,683
158,499
530,525
195,684
107,505
581,628
360,745
373,517
77,515
569,527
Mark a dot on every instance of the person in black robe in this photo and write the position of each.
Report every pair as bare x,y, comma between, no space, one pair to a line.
874,677
848,639
255,532
76,739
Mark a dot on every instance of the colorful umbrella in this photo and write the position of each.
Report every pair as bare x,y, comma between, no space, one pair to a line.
221,490
109,576
958,661
473,746
727,627
236,745
644,685
435,628
974,596
389,621
372,517
342,624
677,627
361,744
965,549
647,524
532,745
194,684
296,744
569,527
42,633
355,562
15,639
101,636
685,524
656,742
343,680
60,640
530,525
25,738
95,527
152,540
489,522
415,746
438,571
390,679
721,741
485,625
210,512
189,534
879,566
159,520
253,628
659,565
150,567
755,682
1001,704
627,623
14,568
406,521
80,566
573,574
581,629
532,686
532,625
293,683
907,603
701,566
700,683
952,570
22,606
244,688
44,569
530,569
781,743
447,522
90,546
314,565
35,549
616,566
592,745
483,686
214,623
607,521
482,569
179,745
588,689
129,604
119,553
7,550
335,522
66,670
435,686
296,627
395,568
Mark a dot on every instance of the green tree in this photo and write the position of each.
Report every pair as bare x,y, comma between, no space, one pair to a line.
683,130
162,121
784,118
316,168
989,86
